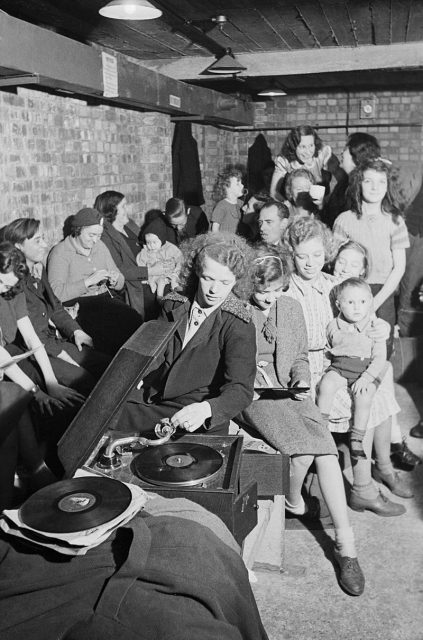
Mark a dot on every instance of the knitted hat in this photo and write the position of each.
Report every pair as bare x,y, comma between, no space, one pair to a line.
158,227
86,217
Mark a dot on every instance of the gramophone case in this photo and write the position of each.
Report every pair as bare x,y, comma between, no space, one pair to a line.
91,431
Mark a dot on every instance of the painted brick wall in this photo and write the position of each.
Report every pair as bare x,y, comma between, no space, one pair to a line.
57,154
397,125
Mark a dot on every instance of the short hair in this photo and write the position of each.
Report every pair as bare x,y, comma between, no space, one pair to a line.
227,249
20,230
223,181
304,229
355,189
174,208
297,173
282,209
293,139
356,283
107,203
356,246
270,263
12,260
362,146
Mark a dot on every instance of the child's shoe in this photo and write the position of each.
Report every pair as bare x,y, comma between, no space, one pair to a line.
351,577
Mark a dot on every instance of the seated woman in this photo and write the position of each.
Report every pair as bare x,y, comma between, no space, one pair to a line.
312,246
82,271
294,425
206,375
120,235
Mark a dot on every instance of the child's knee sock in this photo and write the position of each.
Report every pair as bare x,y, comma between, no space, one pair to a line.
345,542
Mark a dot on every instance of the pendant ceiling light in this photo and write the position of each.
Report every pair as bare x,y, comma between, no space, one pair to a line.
272,91
130,10
227,64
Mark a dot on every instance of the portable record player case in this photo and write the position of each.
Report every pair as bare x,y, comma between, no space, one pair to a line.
91,429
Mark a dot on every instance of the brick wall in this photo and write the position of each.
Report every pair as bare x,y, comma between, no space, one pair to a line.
397,125
57,154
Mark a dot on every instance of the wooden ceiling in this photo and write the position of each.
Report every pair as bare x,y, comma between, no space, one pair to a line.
310,38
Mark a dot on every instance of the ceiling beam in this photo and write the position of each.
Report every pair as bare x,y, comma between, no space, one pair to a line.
61,63
299,62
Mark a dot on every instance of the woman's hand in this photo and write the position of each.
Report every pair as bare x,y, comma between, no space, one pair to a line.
304,394
113,278
65,395
81,338
96,277
379,330
362,386
46,403
192,417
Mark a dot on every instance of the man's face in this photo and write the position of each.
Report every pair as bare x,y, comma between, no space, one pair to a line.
270,224
179,223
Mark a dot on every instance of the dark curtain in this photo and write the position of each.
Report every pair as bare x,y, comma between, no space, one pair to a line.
186,166
260,166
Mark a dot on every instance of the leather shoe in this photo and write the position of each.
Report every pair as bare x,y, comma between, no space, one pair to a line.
351,577
394,482
402,457
380,505
417,431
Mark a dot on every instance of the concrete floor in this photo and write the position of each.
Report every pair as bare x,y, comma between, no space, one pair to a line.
306,603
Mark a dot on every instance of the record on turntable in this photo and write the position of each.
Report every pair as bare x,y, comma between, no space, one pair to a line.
75,505
178,464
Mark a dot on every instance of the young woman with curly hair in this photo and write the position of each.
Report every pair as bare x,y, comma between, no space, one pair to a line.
206,375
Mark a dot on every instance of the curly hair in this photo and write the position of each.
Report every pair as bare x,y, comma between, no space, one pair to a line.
12,260
362,146
355,188
293,139
304,229
107,203
297,173
227,249
270,263
355,246
223,181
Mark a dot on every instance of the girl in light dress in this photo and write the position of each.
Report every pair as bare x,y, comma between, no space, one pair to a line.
312,246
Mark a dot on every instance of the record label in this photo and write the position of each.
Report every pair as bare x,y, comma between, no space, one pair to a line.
177,464
75,505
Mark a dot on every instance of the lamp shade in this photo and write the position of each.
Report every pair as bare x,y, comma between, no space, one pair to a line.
227,64
130,10
272,91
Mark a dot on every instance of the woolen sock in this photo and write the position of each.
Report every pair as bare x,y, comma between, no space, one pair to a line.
345,542
367,491
385,468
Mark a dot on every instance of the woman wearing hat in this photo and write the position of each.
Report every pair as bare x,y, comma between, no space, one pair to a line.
81,270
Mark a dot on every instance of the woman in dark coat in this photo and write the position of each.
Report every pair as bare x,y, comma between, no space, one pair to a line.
294,425
206,375
120,235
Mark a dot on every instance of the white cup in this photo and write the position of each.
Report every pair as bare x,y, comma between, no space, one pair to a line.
317,192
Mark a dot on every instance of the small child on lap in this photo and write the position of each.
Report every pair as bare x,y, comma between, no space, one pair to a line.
157,251
356,359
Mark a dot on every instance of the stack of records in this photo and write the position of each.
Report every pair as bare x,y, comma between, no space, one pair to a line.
73,516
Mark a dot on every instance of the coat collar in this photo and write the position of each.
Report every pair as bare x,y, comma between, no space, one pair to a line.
232,305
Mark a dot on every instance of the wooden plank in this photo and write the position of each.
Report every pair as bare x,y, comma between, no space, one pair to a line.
381,14
306,61
400,19
361,20
415,29
338,19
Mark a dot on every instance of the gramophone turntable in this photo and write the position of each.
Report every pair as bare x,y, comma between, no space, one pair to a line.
202,468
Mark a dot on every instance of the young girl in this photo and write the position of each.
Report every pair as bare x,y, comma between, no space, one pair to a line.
294,425
375,222
302,148
157,251
227,213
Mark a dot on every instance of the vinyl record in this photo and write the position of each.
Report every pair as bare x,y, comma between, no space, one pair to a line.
177,464
75,505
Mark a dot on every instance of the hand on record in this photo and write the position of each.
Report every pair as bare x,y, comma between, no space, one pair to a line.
81,338
65,395
192,417
304,394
